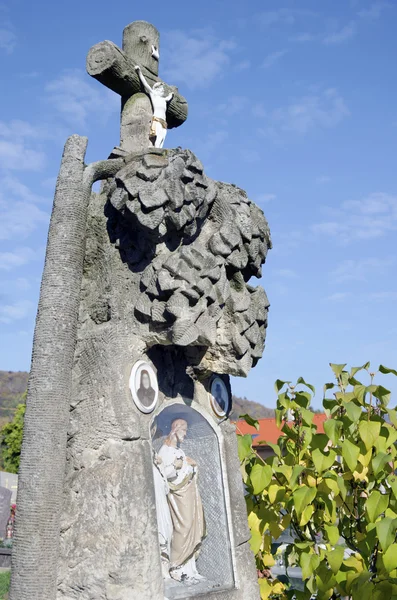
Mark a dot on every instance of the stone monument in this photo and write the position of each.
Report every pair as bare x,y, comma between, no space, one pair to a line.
5,510
129,485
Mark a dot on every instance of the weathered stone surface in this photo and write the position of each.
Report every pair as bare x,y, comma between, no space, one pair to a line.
195,244
111,482
150,290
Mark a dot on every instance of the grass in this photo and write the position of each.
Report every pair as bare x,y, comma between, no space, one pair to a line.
4,584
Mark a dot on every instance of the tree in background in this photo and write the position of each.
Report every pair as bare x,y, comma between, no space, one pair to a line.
11,441
336,492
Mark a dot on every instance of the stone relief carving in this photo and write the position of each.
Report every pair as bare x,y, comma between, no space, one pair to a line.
196,243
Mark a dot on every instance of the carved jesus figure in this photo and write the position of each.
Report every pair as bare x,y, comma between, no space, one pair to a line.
159,100
184,501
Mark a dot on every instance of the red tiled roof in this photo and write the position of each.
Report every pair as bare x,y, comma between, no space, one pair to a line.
268,430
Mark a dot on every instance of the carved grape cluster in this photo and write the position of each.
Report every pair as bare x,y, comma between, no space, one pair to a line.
204,240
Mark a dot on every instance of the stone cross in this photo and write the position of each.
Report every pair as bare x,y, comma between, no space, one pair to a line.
115,69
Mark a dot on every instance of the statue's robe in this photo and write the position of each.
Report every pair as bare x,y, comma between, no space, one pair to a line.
185,507
164,522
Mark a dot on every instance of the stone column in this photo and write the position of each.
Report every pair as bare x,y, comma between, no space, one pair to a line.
136,110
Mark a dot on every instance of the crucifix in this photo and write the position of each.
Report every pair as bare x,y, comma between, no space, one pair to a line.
149,106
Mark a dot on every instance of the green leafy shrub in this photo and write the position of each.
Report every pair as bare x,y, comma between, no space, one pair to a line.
336,491
4,584
11,436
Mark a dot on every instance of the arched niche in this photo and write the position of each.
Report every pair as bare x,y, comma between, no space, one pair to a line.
215,561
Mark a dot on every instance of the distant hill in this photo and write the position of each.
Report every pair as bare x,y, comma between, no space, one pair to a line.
12,387
242,406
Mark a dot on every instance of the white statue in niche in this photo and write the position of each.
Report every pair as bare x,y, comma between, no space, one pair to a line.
158,128
178,494
164,522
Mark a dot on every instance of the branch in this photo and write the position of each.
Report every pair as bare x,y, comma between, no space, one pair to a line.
101,169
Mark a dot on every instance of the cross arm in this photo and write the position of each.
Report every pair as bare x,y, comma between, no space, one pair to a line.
111,67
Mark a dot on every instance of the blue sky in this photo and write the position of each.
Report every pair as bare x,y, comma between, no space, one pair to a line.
293,101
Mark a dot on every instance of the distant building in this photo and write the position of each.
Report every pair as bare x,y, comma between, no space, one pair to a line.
269,432
9,481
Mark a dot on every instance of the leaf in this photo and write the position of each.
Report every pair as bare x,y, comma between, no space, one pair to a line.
390,558
250,421
261,476
386,530
308,385
385,370
268,560
353,411
359,392
279,417
333,428
275,447
309,563
332,534
306,515
280,384
255,541
323,461
392,481
355,370
383,395
350,454
335,558
328,386
392,415
369,432
276,493
244,443
337,369
379,462
342,487
302,497
307,416
376,505
296,471
265,588
303,399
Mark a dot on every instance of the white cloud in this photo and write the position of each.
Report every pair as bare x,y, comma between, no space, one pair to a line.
273,58
282,16
214,140
259,110
360,269
75,98
15,156
243,65
18,211
8,40
372,217
341,36
20,219
15,312
263,198
338,296
16,152
374,11
302,38
286,273
20,284
382,296
49,183
321,110
322,179
195,59
332,38
234,105
21,256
